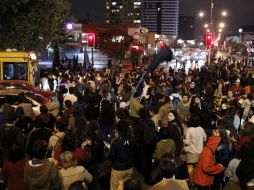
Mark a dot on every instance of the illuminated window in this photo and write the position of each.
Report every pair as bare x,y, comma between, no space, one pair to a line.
121,7
107,7
137,21
113,3
137,3
107,21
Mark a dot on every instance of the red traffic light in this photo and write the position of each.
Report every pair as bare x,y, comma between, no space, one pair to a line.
209,39
91,40
162,44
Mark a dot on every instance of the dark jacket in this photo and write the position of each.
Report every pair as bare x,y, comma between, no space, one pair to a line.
245,172
176,135
9,136
37,134
107,112
121,153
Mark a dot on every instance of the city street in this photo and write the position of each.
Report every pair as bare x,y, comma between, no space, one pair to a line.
78,113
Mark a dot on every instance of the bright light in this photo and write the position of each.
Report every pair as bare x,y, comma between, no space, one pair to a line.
180,41
224,13
206,25
240,30
208,30
220,30
222,25
69,26
201,14
90,37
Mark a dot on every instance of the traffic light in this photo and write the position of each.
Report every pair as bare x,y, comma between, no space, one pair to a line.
162,44
91,40
209,40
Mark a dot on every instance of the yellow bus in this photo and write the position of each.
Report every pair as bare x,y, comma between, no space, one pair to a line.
17,65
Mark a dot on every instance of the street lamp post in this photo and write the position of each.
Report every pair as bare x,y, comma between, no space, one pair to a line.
240,35
211,23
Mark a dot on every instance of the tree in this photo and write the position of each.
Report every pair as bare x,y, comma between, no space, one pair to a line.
114,43
56,57
32,24
237,46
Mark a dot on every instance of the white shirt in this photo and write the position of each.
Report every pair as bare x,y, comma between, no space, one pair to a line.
70,97
194,140
53,140
231,169
145,90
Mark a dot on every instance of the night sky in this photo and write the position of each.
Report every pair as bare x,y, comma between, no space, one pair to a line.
240,12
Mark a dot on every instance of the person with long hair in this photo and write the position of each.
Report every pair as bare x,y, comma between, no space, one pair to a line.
194,141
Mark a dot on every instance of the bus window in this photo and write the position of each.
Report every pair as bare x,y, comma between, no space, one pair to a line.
15,71
22,71
9,71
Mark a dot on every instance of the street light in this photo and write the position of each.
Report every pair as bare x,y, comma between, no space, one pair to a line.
240,37
201,14
206,25
220,30
222,25
224,13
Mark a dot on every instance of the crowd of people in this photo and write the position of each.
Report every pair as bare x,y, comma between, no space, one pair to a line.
177,130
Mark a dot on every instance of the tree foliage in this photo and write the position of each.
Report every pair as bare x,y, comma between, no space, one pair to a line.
117,48
32,24
237,46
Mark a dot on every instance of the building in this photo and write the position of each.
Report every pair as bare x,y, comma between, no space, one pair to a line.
247,34
161,16
122,11
186,27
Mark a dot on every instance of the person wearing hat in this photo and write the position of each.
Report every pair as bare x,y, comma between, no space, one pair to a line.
206,167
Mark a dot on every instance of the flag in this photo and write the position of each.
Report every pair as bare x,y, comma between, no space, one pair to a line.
86,61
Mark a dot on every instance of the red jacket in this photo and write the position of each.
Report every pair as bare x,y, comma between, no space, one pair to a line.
79,154
206,167
243,139
13,174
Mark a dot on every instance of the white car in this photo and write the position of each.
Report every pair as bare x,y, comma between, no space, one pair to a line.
36,99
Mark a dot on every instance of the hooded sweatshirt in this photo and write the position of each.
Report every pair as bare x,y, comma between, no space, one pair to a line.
42,175
206,167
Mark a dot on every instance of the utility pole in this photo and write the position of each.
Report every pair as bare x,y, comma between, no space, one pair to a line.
212,29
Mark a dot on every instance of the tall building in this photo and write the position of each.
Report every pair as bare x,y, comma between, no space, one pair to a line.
186,27
161,16
123,11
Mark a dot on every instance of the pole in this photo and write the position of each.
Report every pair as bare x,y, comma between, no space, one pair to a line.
92,58
209,55
212,29
211,18
140,80
84,59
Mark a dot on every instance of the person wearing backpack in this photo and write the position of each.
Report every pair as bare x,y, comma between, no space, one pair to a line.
121,154
55,140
